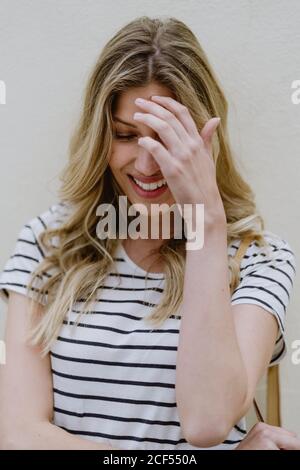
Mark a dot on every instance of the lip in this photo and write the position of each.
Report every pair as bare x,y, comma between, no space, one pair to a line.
148,194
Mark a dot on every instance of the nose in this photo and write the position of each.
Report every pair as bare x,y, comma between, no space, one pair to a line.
145,163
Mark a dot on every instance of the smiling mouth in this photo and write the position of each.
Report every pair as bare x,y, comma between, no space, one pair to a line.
148,189
149,186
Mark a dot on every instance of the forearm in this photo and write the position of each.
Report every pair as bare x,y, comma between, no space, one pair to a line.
42,436
211,380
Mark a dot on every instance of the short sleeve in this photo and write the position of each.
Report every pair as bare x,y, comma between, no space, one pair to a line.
266,279
27,255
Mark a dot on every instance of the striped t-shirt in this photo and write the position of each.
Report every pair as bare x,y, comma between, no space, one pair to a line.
114,374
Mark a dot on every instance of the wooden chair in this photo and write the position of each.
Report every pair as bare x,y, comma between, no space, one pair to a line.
273,396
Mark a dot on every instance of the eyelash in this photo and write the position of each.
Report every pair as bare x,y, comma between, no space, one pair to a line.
124,136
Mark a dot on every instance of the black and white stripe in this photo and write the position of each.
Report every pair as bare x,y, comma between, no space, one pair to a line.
266,279
113,373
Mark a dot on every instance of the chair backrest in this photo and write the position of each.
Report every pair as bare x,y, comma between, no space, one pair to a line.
273,396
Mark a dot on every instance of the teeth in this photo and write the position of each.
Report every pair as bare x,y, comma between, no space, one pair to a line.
151,186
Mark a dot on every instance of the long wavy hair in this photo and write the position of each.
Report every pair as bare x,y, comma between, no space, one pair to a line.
145,50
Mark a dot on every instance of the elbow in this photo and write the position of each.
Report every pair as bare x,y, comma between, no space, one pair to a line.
7,442
209,433
204,429
8,439
11,438
23,435
10,431
16,436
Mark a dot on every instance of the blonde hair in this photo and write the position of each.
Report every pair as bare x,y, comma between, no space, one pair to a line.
144,50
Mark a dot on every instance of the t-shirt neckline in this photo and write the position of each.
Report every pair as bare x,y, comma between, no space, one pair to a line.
134,266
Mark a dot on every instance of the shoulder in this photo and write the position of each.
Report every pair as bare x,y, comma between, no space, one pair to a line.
29,233
266,279
28,251
266,275
50,218
278,253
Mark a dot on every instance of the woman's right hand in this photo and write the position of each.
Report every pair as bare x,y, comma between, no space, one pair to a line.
265,437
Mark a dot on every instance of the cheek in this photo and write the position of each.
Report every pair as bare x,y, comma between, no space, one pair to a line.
120,157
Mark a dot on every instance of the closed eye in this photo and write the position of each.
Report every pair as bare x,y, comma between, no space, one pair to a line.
124,136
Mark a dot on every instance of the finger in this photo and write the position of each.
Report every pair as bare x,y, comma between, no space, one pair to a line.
165,115
257,444
270,446
284,431
159,153
271,431
266,445
181,112
288,442
208,131
166,133
275,429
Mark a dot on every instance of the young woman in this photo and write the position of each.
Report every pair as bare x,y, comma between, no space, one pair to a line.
141,343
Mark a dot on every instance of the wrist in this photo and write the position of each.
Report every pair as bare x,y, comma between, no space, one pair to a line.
209,228
215,220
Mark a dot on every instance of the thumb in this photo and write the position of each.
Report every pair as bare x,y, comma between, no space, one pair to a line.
207,133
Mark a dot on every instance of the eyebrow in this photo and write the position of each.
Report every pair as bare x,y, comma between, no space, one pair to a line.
116,118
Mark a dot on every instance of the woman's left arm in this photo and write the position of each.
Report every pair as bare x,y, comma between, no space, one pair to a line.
223,349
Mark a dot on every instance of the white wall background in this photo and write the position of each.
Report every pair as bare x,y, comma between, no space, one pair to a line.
47,49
